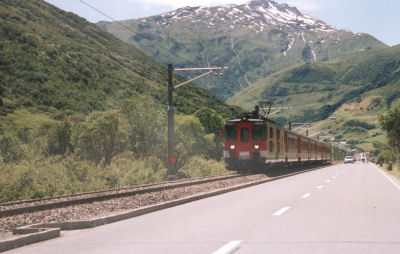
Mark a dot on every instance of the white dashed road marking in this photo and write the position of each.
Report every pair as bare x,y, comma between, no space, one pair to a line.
281,211
328,181
228,248
306,195
320,186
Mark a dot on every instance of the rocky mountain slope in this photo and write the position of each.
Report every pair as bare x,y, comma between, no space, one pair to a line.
254,40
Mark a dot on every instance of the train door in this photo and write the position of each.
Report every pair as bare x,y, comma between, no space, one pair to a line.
244,142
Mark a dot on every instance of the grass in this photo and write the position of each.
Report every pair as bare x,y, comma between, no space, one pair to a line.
395,170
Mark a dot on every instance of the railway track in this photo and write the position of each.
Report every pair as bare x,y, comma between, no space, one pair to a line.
103,203
20,207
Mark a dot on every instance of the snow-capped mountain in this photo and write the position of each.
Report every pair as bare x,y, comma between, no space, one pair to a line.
254,39
255,15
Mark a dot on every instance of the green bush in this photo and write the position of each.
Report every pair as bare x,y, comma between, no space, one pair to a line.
147,132
127,171
385,156
189,139
200,167
100,137
58,138
48,177
10,149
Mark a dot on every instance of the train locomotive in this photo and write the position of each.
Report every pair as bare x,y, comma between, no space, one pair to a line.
255,140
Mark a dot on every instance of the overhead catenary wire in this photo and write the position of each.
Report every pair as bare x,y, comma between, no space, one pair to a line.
134,31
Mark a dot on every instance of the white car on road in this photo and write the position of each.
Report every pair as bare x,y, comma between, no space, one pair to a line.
348,159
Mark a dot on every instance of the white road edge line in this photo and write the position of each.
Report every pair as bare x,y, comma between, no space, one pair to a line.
281,211
228,248
320,186
328,181
387,177
306,195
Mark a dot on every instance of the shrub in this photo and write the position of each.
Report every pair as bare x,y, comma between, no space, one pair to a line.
127,171
58,138
200,167
385,156
100,137
48,177
147,131
10,149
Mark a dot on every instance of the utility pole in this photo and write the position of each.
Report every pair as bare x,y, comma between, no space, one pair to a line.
171,134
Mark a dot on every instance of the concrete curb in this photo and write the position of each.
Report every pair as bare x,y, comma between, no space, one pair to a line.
45,231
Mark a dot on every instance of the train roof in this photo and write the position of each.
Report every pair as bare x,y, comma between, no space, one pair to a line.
252,120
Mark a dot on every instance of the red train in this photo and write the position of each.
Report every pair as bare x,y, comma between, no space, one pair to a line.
254,140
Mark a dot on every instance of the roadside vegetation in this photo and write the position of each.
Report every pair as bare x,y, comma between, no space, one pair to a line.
101,150
390,155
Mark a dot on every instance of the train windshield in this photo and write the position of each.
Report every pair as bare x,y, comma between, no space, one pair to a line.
230,133
259,132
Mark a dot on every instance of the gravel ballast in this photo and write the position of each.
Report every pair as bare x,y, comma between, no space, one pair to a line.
102,208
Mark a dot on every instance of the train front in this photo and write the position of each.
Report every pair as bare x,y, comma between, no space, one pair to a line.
245,143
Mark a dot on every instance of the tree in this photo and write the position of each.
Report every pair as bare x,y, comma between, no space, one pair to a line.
146,127
213,124
58,137
211,120
391,124
101,136
189,139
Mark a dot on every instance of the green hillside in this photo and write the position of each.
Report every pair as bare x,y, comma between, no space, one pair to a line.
353,90
55,61
80,110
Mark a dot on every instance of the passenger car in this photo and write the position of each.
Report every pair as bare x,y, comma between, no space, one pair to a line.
348,159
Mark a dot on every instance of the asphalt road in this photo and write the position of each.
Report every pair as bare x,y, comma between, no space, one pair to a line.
351,208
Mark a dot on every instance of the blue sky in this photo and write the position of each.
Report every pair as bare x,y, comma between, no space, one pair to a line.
380,18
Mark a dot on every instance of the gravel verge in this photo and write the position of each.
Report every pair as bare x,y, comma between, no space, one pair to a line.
101,208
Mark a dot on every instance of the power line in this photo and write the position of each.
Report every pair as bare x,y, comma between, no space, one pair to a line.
133,31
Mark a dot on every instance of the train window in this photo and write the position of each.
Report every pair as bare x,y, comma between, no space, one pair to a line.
244,134
259,132
278,147
230,133
271,132
278,134
271,146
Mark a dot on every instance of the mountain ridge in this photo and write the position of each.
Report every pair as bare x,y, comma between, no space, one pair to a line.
254,39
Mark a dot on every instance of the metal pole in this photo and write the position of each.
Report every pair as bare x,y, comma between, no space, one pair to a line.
171,143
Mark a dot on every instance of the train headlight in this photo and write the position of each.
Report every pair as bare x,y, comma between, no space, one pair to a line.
256,147
232,147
